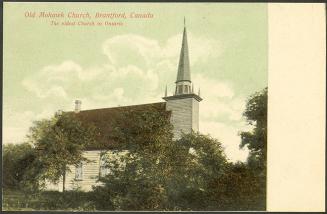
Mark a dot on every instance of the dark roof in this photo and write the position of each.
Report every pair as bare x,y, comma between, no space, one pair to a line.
104,119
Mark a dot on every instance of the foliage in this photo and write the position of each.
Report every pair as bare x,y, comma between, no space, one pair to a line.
239,188
256,140
159,173
196,160
146,135
152,171
59,142
16,160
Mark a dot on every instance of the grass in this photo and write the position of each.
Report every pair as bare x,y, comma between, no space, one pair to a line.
48,200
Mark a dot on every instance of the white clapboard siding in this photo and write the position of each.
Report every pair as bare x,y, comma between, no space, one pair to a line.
185,115
90,173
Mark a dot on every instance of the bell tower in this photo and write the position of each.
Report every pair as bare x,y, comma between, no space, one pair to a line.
184,103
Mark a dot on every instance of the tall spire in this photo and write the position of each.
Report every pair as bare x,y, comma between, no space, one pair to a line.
183,73
184,87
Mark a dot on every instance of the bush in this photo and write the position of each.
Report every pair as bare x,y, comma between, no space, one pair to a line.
70,200
240,188
16,160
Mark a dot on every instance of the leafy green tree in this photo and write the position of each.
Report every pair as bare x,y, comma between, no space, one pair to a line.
158,173
242,186
16,159
197,159
256,140
239,188
59,142
146,134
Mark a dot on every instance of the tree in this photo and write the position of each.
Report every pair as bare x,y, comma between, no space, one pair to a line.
158,173
145,134
16,160
242,186
256,140
197,160
239,188
59,142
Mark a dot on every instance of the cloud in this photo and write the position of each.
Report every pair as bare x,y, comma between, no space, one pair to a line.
131,48
16,124
136,71
200,48
228,136
52,91
139,65
51,81
213,88
221,115
219,99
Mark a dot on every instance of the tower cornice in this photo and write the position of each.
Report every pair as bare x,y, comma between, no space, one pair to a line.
183,81
183,96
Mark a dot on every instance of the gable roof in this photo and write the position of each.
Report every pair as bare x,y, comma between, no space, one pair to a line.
104,119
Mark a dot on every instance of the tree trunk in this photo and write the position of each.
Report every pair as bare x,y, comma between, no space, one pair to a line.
63,179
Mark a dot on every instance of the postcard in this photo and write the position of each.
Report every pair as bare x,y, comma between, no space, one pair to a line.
160,107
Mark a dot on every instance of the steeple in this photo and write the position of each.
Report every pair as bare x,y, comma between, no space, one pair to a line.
184,73
183,80
184,86
184,103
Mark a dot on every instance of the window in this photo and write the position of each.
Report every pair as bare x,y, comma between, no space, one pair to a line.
185,89
180,89
79,171
104,170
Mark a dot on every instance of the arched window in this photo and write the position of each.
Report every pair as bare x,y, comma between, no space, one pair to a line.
180,89
185,89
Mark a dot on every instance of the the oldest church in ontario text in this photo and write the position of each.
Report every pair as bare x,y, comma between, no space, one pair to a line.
183,107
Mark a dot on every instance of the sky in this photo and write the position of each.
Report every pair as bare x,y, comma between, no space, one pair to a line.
46,67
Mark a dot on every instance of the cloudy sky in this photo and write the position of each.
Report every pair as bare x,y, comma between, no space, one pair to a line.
47,67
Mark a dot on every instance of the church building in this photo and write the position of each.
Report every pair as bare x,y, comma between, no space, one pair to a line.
182,106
